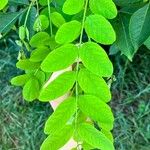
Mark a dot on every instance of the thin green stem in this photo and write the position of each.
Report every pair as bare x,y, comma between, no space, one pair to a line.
50,22
77,65
83,21
27,15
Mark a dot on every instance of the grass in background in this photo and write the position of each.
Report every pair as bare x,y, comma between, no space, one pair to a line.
21,123
131,102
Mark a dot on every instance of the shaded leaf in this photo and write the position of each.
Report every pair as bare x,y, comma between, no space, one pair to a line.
147,43
31,20
123,41
8,20
127,2
139,24
19,2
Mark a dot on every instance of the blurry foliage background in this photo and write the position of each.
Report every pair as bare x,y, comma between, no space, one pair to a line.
21,123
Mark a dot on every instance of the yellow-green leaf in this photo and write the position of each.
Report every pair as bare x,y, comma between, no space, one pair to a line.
106,8
96,109
39,54
26,64
3,3
40,39
61,85
61,116
57,19
68,32
41,23
92,84
108,134
72,7
99,29
60,58
96,138
20,80
95,59
59,139
31,89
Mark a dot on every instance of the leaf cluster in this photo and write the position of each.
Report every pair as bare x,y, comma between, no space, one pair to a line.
55,35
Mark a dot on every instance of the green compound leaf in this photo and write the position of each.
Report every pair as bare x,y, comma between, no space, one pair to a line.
59,139
61,85
61,116
95,59
139,25
40,39
57,59
72,7
3,3
20,80
31,89
96,109
99,29
41,23
57,19
26,64
95,138
39,54
68,32
106,8
92,84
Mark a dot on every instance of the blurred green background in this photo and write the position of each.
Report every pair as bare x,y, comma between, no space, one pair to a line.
21,123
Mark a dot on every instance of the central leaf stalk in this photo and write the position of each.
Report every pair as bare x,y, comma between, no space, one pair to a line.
77,65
